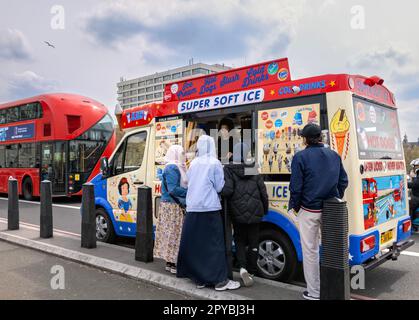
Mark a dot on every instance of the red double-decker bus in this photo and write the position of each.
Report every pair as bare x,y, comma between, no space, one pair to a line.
58,137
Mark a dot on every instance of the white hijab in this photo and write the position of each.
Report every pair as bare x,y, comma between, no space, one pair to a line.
175,156
206,146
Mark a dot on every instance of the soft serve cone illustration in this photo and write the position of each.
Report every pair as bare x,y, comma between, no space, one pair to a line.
339,127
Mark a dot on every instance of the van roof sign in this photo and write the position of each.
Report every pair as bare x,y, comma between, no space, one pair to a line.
240,79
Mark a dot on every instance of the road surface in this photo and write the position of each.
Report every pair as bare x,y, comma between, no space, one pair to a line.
26,274
393,280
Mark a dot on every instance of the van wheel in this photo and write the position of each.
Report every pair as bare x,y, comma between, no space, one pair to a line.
277,258
27,189
104,227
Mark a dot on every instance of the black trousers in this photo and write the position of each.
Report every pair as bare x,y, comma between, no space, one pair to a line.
246,239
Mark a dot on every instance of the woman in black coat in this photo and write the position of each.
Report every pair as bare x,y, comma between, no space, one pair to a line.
247,204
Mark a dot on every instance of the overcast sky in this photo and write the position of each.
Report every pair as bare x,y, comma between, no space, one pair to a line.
104,40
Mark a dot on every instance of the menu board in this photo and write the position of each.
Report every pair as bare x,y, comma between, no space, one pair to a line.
279,136
168,132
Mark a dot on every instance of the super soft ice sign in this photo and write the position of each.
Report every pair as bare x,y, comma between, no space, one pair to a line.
222,101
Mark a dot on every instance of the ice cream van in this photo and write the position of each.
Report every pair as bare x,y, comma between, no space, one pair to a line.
358,117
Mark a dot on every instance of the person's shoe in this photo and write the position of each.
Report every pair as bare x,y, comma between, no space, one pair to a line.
307,296
246,277
227,285
173,269
168,267
200,286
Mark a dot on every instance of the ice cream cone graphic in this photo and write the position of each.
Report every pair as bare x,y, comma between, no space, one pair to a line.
339,127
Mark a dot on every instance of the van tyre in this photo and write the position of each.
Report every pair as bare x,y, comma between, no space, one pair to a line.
104,227
277,259
27,189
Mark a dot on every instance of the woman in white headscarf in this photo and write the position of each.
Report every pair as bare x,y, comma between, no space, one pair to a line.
171,212
202,252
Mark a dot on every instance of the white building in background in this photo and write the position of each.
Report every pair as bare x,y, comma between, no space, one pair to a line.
150,88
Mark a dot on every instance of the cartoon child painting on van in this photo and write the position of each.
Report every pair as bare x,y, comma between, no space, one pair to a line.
124,202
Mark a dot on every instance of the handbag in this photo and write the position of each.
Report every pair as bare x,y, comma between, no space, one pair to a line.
175,199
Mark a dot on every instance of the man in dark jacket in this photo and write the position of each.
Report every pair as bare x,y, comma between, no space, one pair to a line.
247,204
414,197
317,174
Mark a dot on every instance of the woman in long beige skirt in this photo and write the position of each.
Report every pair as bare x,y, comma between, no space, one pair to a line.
171,212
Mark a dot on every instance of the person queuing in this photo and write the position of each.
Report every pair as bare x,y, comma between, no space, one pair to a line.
317,174
202,252
171,211
248,203
225,140
414,201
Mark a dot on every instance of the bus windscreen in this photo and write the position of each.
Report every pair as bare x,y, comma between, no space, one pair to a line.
378,131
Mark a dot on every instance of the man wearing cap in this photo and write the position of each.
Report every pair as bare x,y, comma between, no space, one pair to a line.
317,174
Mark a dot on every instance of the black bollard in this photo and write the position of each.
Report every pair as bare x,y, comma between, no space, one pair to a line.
88,217
13,206
144,233
228,236
46,224
334,267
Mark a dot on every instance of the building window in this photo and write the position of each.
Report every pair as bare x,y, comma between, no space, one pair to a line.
186,73
151,81
158,95
158,80
159,87
133,85
141,98
176,75
141,90
167,78
141,83
133,92
200,71
126,87
149,97
149,89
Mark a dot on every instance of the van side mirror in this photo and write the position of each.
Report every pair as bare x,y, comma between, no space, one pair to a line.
104,166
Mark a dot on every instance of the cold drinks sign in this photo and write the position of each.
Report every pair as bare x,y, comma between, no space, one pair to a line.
238,86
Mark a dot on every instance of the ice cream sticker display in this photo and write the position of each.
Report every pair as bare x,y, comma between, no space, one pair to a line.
383,200
339,128
168,132
279,136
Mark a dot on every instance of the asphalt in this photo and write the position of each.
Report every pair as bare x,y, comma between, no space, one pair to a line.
121,260
27,275
392,280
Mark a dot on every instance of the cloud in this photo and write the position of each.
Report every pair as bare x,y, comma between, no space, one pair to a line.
229,29
373,59
28,84
14,45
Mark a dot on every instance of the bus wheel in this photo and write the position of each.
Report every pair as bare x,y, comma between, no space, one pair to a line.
27,189
277,258
104,227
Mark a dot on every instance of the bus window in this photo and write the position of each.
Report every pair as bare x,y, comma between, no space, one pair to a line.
134,151
86,149
30,111
12,114
11,156
27,155
2,156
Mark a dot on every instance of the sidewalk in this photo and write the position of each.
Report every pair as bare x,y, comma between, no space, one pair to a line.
120,260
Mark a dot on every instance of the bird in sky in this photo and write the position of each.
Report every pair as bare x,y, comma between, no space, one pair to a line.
49,44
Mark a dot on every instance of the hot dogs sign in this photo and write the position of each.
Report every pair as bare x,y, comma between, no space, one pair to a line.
279,136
